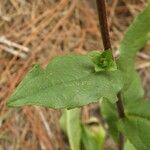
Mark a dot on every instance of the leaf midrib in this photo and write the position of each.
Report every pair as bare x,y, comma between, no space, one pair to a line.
61,83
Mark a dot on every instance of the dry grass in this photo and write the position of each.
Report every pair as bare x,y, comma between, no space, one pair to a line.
36,31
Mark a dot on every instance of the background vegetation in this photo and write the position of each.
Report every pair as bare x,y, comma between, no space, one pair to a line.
36,31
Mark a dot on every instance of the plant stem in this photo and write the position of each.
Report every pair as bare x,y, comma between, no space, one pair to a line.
101,7
121,115
120,107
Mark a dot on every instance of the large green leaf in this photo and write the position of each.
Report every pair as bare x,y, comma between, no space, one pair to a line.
70,123
67,82
136,126
134,39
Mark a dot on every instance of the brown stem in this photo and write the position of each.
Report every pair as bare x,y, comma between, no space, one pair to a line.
120,107
101,7
120,141
121,114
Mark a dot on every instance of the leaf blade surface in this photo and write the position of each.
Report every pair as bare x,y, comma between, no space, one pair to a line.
67,82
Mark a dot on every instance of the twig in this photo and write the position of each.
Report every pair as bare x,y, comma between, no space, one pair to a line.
143,55
143,66
13,44
46,125
13,48
13,51
107,45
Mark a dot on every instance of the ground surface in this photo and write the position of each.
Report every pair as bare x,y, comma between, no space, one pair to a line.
36,31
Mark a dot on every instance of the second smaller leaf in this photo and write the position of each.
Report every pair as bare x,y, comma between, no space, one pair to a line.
70,123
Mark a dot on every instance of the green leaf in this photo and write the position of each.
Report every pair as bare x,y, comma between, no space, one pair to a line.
109,112
63,120
134,39
70,123
136,126
129,146
134,91
67,82
103,61
131,95
139,108
93,137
